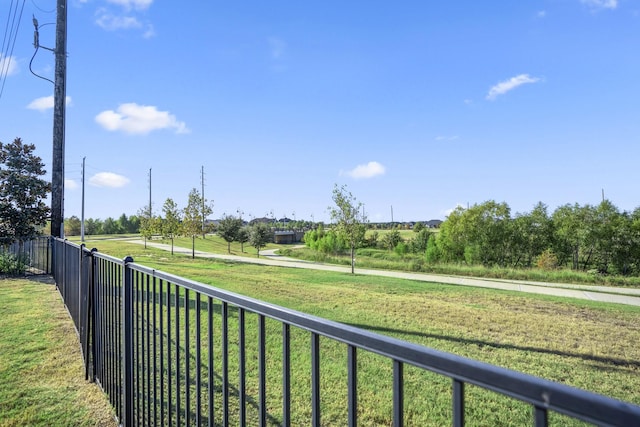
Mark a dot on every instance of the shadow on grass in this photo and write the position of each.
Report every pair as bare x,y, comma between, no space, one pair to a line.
481,343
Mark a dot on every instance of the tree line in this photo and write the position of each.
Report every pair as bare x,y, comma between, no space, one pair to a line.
596,238
599,238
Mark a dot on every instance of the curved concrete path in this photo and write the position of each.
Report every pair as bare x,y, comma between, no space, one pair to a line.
628,296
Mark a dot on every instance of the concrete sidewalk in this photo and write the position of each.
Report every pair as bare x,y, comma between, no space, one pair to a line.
628,296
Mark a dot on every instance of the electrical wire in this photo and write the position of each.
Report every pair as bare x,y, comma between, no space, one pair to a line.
6,59
32,72
40,9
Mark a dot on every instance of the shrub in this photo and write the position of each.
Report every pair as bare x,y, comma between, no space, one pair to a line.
12,264
547,260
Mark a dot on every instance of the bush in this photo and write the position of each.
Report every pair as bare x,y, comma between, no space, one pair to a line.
547,260
12,264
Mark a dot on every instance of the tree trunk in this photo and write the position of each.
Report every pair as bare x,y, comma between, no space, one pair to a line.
353,259
193,246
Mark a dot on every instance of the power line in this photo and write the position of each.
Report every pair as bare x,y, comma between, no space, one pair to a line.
7,58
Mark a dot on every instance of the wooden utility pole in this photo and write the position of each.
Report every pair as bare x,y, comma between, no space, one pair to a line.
59,99
203,203
82,215
150,206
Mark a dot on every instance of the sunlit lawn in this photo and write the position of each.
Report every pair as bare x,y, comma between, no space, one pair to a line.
581,343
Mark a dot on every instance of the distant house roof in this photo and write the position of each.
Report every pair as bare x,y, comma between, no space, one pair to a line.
434,223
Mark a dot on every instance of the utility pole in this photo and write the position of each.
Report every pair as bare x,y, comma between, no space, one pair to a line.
82,214
202,183
59,99
150,211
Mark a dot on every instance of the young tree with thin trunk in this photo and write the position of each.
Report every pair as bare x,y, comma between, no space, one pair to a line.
348,219
260,235
171,223
194,215
228,229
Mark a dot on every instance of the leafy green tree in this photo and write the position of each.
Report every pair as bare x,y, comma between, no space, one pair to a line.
194,215
452,239
419,242
349,220
23,211
171,223
391,239
260,235
228,229
571,224
72,226
110,226
243,237
418,227
123,223
149,225
92,226
533,234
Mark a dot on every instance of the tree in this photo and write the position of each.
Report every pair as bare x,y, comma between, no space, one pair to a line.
22,192
228,229
72,226
195,214
349,219
171,223
420,241
391,239
260,235
92,226
148,223
110,226
243,237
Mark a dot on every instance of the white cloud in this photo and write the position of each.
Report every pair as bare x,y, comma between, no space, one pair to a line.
70,184
601,4
507,85
369,170
108,179
541,13
137,119
8,64
45,103
111,22
132,4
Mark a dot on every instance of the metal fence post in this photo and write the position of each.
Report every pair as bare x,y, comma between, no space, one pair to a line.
91,352
127,334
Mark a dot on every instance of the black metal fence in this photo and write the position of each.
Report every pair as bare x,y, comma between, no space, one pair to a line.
172,351
35,253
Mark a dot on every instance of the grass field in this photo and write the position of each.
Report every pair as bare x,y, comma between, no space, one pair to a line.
588,345
41,371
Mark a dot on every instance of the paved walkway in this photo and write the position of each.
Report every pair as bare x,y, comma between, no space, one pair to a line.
629,296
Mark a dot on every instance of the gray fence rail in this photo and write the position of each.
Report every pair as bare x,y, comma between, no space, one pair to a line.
172,351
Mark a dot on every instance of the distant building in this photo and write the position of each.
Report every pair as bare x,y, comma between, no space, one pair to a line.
286,237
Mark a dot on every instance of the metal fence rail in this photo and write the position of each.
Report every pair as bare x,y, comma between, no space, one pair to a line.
172,351
36,252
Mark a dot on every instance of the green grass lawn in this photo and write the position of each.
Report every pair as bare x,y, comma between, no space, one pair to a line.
584,344
41,371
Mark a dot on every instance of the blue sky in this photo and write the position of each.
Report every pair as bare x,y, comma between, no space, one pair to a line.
415,105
